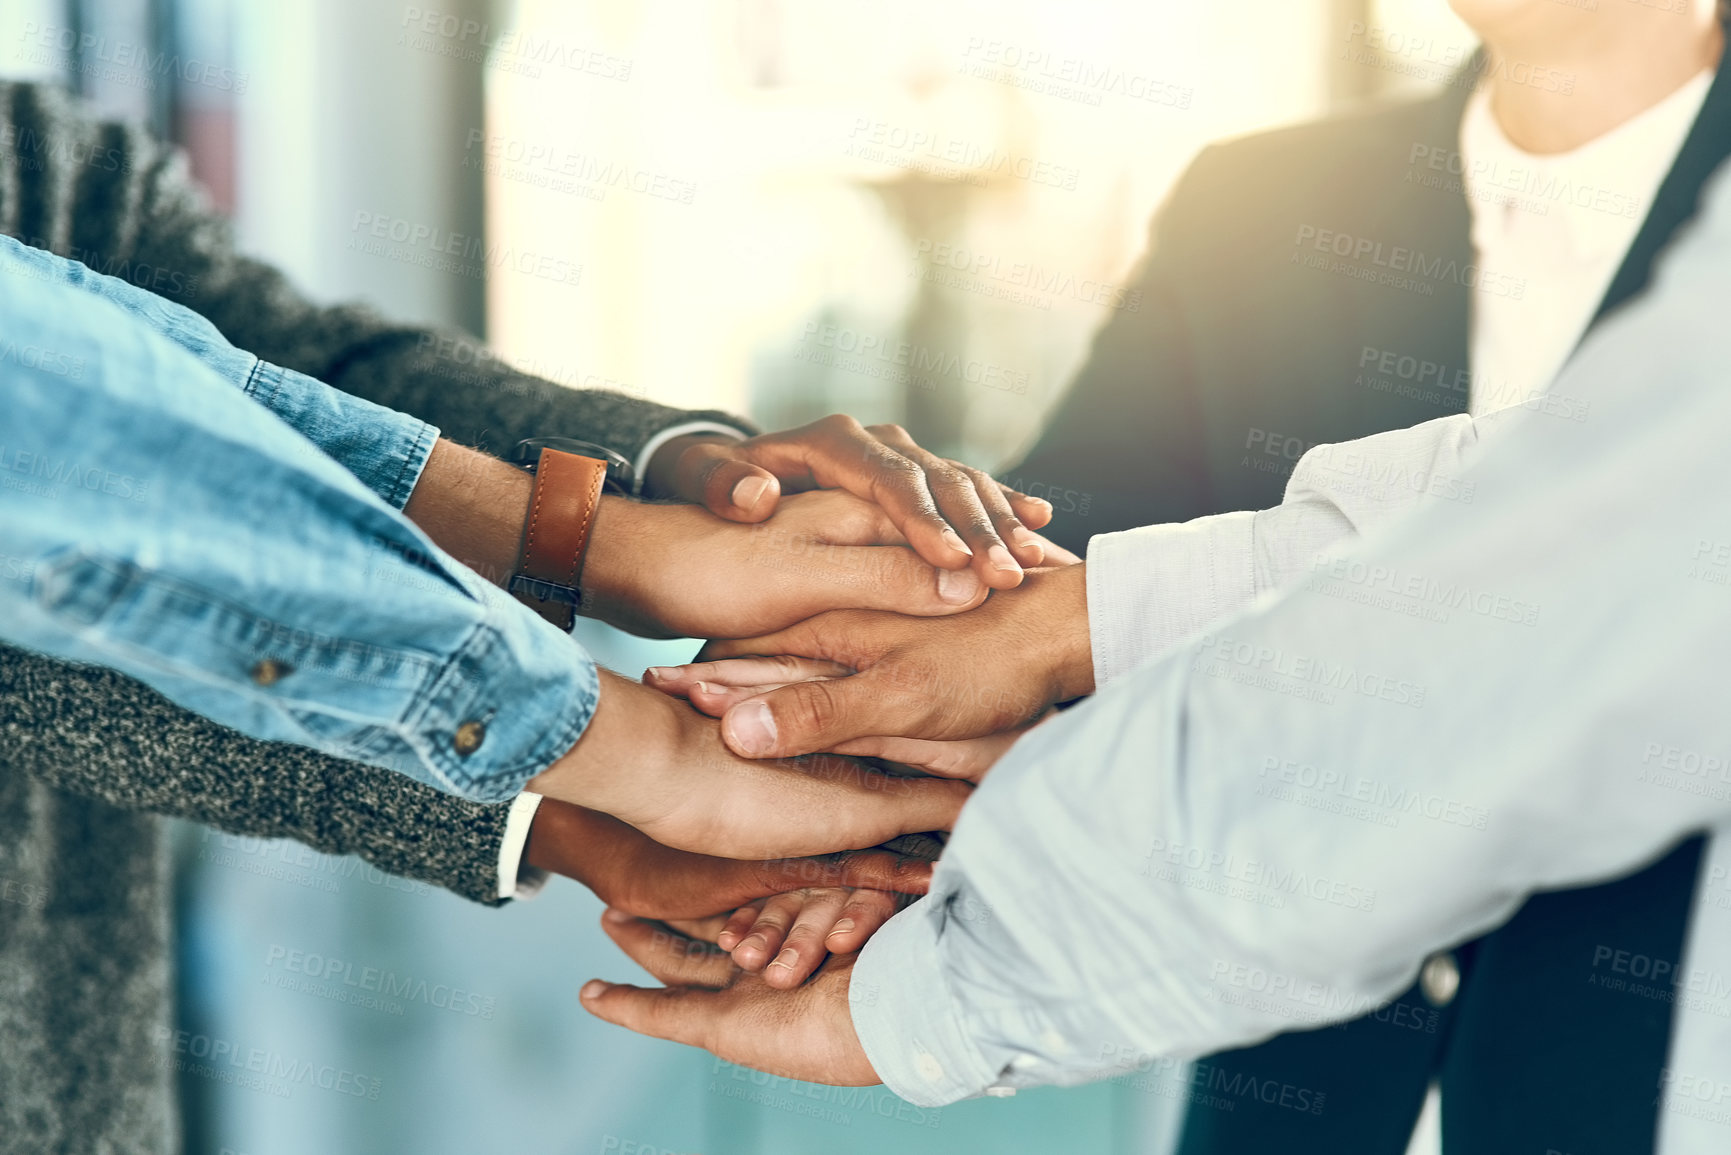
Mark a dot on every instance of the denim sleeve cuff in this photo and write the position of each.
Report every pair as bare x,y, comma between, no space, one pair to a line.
906,1018
1152,587
508,704
385,449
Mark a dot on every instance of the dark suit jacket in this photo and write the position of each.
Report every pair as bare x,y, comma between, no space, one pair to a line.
1242,354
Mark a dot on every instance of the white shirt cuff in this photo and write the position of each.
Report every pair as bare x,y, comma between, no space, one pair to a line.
517,880
640,467
1152,587
905,1018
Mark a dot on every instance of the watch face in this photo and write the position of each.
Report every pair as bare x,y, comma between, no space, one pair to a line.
620,474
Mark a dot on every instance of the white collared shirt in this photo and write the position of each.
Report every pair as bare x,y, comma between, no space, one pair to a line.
1560,225
1540,647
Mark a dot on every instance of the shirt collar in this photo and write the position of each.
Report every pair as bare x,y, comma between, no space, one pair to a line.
1594,197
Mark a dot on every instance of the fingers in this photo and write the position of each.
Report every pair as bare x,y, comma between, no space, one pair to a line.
821,715
1035,512
714,475
714,686
967,758
763,937
682,1014
670,957
738,925
881,870
865,912
802,950
962,503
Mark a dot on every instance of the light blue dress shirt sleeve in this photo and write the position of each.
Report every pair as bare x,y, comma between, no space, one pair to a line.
158,520
1273,825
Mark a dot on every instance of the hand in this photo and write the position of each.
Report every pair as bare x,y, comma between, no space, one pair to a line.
633,872
660,766
813,923
676,571
950,512
994,669
716,687
799,1034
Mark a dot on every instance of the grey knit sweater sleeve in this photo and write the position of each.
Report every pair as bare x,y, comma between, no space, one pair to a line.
114,198
99,734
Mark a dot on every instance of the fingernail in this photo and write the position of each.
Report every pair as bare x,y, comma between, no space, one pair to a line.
842,927
727,939
954,541
659,673
957,587
1041,501
1000,558
755,942
593,989
1025,538
616,917
749,491
786,959
752,728
702,688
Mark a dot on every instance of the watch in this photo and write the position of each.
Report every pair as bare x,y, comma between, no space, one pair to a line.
621,476
567,492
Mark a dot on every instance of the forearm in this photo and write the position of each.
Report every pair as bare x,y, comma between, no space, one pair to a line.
1326,791
1153,587
99,734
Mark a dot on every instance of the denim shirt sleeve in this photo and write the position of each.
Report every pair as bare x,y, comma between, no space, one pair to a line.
156,520
385,449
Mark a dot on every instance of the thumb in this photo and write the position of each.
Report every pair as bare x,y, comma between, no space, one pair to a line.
714,476
810,716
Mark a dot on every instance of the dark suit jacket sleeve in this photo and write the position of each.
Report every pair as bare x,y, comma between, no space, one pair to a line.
117,200
1124,438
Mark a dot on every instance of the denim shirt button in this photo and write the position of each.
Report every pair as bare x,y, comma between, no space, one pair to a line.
270,671
469,737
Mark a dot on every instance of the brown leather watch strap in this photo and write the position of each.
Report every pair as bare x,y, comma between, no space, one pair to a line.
561,511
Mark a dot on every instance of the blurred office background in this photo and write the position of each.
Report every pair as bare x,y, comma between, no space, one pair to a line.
910,211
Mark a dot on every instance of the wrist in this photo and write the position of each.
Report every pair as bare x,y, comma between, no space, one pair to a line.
473,506
1067,648
610,768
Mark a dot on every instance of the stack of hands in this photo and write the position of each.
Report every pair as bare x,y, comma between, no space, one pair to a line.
880,642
